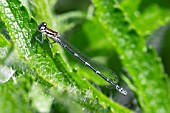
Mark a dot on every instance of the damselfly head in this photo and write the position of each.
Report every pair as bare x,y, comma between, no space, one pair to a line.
42,27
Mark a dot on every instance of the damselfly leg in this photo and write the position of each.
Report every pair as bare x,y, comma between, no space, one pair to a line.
53,35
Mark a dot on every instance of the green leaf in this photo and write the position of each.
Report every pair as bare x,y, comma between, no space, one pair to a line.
14,98
5,48
42,12
146,20
51,72
148,79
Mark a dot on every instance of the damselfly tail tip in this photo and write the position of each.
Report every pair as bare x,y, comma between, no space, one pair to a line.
121,90
56,38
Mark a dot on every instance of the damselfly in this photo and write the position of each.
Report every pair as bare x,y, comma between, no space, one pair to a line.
56,38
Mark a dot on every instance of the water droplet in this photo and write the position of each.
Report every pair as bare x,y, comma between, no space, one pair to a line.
5,73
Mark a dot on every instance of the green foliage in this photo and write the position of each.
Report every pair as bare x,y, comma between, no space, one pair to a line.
133,51
51,81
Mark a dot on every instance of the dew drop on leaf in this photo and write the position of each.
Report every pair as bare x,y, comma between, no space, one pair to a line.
5,73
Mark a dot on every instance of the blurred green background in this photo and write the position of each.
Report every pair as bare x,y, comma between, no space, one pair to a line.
130,37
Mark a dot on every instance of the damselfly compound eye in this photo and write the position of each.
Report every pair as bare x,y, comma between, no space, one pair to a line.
42,27
53,35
